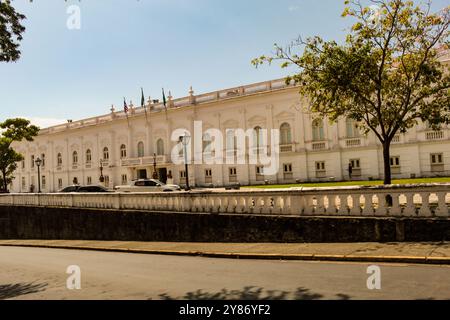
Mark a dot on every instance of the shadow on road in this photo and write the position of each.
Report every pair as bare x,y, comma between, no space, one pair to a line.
252,293
8,291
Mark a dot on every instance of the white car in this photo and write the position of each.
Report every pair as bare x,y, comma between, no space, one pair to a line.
147,185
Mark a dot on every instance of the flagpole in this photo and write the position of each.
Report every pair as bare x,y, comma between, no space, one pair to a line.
165,103
125,108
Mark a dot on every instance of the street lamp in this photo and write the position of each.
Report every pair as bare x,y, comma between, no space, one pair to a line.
102,178
185,141
38,162
155,174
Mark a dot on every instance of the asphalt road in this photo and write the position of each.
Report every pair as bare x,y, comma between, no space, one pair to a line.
35,273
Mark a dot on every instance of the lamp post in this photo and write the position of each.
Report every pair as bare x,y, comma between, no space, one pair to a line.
185,141
38,162
102,178
155,174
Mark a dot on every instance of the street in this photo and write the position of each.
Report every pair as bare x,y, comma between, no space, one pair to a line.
35,273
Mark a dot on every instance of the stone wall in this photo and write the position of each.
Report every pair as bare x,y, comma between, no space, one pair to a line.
20,222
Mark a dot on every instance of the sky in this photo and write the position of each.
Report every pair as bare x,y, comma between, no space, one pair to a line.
123,45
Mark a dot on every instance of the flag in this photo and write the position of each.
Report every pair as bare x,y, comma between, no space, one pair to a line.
142,98
125,106
164,99
143,104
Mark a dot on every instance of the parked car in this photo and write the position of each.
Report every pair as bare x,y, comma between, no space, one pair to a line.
93,189
147,185
68,189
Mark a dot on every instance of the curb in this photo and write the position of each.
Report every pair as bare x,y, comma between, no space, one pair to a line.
259,256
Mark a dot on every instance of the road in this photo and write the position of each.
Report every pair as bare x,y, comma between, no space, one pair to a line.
35,273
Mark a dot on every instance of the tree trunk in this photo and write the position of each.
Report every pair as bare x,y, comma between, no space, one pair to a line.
387,162
5,185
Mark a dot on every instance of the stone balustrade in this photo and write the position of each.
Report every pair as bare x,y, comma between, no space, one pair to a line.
430,200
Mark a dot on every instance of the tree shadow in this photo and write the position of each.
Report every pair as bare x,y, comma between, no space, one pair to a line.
8,291
252,293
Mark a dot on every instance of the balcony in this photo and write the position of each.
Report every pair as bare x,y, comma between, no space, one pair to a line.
434,135
144,161
286,148
353,142
316,146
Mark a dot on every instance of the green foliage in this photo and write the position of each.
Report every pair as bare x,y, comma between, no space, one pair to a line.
11,30
386,75
13,130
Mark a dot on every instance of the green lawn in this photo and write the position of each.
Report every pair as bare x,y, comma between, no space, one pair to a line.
352,183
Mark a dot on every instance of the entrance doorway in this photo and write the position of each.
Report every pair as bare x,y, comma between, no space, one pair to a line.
162,173
142,174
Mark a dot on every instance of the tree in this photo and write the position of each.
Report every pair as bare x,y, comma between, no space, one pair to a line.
11,30
14,130
386,75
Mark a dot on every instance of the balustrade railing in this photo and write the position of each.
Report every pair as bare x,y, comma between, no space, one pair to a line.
396,201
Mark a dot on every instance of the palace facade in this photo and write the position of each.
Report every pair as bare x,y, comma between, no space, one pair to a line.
122,147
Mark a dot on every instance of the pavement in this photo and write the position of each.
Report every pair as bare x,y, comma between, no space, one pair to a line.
422,253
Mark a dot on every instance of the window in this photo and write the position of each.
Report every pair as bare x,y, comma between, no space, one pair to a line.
24,183
43,159
182,174
285,134
124,179
437,162
208,176
287,168
232,174
75,158
140,148
395,165
88,156
59,159
60,183
23,164
287,171
105,153
317,130
123,151
437,158
160,147
231,140
44,182
395,161
355,164
320,169
259,173
207,143
107,181
32,162
89,180
352,128
257,137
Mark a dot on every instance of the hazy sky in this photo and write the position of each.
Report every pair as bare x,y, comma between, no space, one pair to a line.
123,45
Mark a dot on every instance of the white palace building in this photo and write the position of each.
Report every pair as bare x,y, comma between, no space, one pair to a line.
124,147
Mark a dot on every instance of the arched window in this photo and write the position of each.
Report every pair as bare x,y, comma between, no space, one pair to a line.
317,130
88,156
351,128
160,147
206,142
231,140
140,148
75,157
105,153
59,159
123,151
257,131
285,134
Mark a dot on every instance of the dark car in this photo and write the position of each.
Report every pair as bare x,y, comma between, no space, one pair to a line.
69,189
92,189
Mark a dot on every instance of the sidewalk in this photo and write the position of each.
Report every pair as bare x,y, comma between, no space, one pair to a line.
426,253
